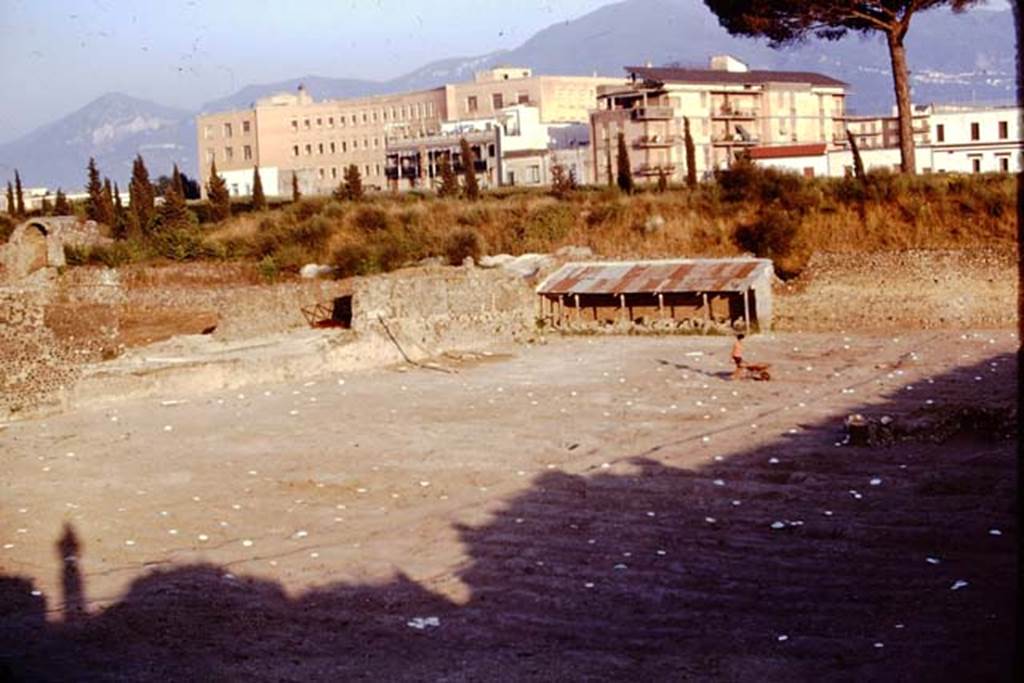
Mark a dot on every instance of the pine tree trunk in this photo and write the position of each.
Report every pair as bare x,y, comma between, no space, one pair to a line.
898,56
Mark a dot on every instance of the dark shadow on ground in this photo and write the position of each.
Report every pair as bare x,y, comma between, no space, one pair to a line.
649,574
722,374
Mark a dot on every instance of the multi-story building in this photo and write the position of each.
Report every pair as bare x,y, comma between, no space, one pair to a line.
291,134
730,109
947,139
875,132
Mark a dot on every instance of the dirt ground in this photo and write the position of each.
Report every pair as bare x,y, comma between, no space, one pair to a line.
587,509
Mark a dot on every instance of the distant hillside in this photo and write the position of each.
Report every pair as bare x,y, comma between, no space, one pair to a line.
953,58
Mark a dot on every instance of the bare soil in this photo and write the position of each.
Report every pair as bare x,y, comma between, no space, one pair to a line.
587,509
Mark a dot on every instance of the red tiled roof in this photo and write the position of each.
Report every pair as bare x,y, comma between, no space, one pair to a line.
676,75
649,277
813,149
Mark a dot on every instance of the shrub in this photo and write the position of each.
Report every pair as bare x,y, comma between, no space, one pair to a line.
372,219
462,243
178,243
354,259
7,226
334,210
312,233
548,224
772,235
268,268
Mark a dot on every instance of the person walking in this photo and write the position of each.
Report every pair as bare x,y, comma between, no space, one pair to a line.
737,356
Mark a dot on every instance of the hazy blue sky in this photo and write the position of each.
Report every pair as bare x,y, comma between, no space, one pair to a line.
58,55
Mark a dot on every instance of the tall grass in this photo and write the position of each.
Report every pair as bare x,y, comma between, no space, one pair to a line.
774,214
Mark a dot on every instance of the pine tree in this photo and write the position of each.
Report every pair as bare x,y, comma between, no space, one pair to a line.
470,185
141,195
12,209
94,207
19,197
61,206
624,177
46,207
174,212
217,191
353,186
259,200
296,195
691,155
449,181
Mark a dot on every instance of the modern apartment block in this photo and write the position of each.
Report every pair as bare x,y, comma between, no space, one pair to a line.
730,109
947,139
292,134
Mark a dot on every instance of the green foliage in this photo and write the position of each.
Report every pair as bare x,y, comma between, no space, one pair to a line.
462,243
19,196
563,183
178,242
296,195
61,206
259,200
354,259
96,207
174,213
268,268
470,185
624,175
662,181
775,234
220,198
744,181
12,206
115,255
351,188
142,197
7,225
449,181
547,225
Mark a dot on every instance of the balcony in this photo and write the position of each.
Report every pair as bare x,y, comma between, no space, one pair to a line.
729,140
649,141
734,113
652,113
655,169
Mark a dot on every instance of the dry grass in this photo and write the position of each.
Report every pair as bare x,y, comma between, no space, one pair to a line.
387,231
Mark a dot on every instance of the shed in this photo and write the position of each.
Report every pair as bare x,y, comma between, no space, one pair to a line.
721,290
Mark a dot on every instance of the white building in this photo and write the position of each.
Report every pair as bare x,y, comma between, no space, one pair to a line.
960,139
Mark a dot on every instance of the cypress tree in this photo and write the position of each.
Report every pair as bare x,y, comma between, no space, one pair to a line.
141,195
94,207
691,155
19,198
296,195
217,191
108,204
174,212
471,187
624,177
46,207
662,180
120,216
259,200
449,181
61,206
12,210
353,188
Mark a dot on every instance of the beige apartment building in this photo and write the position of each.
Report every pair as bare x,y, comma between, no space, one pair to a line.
291,134
730,109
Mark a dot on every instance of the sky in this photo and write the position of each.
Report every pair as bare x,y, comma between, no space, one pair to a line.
59,55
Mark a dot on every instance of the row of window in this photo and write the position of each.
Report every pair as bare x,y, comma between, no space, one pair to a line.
497,101
229,154
1003,131
228,129
369,170
402,113
321,148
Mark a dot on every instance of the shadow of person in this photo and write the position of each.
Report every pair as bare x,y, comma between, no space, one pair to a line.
69,550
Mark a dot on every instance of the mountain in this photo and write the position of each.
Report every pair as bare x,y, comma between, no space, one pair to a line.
953,58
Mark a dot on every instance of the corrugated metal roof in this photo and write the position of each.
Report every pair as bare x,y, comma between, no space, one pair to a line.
652,277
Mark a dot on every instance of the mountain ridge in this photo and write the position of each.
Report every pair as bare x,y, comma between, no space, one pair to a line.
947,64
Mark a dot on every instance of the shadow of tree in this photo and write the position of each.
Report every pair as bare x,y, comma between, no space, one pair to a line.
780,563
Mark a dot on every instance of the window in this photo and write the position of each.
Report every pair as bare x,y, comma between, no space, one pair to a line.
234,189
334,171
376,169
227,130
375,117
405,113
330,121
321,173
376,143
344,146
367,170
309,150
976,164
333,150
975,131
940,133
1004,164
533,175
208,132
1004,130
497,100
306,124
471,104
366,143
523,98
295,125
430,108
245,126
354,119
295,150
247,152
364,117
228,154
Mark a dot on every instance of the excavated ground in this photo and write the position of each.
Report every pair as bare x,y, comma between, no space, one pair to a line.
589,508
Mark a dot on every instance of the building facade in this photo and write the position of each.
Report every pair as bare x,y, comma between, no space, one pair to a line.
730,109
292,135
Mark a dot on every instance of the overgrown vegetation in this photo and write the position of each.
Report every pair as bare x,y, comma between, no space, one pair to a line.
745,209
